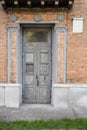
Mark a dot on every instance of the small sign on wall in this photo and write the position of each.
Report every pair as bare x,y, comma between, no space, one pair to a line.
77,25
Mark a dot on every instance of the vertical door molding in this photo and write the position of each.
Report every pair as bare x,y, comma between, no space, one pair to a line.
54,55
19,56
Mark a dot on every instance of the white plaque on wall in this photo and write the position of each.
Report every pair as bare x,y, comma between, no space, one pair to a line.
77,25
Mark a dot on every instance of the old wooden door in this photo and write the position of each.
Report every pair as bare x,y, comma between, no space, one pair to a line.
37,65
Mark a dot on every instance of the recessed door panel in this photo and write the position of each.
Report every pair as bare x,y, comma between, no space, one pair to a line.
44,57
29,94
29,58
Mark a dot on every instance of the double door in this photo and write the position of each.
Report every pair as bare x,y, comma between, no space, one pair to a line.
37,66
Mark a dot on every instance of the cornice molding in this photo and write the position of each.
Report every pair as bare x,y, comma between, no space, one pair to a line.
37,4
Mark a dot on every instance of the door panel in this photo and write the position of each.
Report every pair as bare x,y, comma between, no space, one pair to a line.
29,57
44,80
44,72
29,81
43,57
36,68
29,95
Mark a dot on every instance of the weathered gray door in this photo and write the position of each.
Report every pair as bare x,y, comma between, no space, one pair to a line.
37,65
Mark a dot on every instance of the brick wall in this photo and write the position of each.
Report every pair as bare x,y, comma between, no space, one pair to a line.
60,57
3,45
13,56
76,43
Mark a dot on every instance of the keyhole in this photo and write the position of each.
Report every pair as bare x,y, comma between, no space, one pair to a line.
44,77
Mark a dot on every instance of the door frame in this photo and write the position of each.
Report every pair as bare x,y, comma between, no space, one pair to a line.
41,28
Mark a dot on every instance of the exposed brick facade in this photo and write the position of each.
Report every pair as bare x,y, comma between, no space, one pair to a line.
60,56
76,43
13,56
3,45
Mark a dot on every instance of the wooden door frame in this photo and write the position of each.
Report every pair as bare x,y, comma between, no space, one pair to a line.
49,41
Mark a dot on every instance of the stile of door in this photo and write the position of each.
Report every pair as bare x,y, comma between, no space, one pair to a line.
37,66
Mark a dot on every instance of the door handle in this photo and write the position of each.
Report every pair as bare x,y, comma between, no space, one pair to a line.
37,80
36,76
